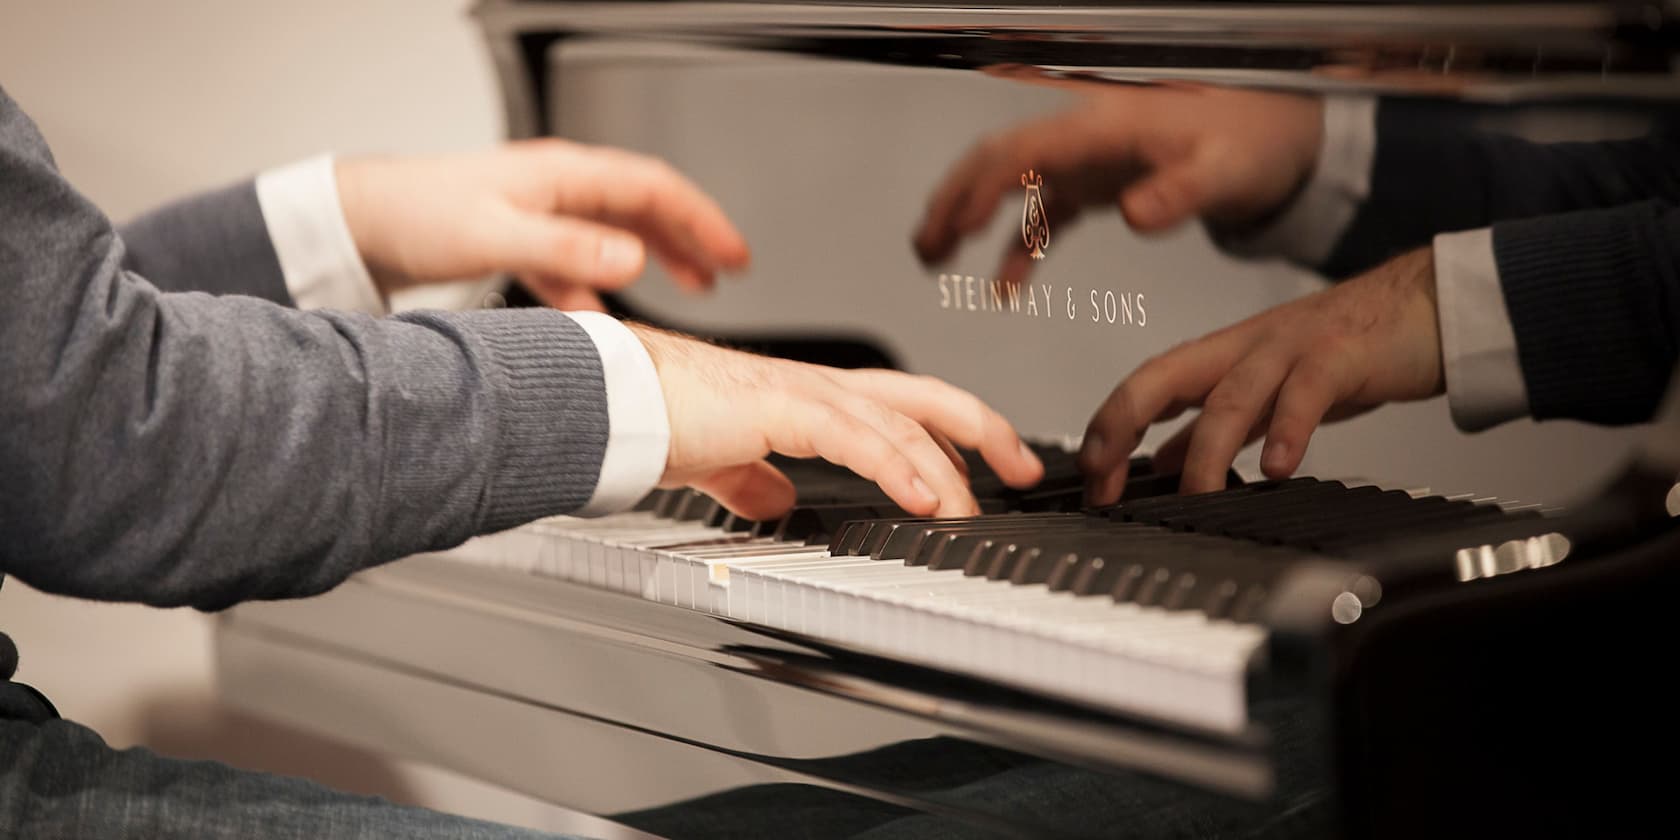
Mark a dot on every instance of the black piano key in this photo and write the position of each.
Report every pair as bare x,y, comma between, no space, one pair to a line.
1211,514
1148,509
698,507
1302,508
668,504
904,539
1365,517
1064,572
814,524
1036,566
651,501
1246,606
1424,522
717,516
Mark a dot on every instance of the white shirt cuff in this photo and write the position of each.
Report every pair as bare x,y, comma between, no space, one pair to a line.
638,431
1309,228
318,257
1478,345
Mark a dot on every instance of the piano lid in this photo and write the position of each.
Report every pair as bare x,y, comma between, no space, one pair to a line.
1493,51
828,130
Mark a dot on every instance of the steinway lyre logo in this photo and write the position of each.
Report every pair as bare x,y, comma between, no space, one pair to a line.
1035,228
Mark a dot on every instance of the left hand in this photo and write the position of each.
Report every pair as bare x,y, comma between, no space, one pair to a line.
1331,355
565,218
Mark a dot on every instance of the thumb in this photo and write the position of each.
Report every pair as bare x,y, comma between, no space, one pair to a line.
565,250
756,491
1167,197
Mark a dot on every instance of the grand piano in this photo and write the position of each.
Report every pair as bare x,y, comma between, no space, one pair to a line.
1424,631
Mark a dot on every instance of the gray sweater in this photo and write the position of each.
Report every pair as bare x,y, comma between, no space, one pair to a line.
164,445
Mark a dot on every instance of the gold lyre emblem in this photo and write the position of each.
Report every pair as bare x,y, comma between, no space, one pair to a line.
1035,228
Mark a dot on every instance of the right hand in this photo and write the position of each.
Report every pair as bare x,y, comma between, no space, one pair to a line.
728,410
1331,355
1164,154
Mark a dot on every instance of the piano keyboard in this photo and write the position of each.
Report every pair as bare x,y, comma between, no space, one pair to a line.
1149,608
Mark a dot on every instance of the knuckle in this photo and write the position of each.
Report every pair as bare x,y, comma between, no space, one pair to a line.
1226,400
1315,373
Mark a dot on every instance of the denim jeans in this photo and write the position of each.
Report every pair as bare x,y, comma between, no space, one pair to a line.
60,781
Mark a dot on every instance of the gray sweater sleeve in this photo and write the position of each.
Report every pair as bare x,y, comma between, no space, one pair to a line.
186,449
215,242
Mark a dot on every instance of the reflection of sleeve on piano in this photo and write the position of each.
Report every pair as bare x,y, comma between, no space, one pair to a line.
1307,229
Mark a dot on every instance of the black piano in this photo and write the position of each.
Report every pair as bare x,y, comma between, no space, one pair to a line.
1421,633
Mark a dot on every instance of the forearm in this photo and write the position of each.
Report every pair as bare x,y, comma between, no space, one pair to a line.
281,237
191,449
215,242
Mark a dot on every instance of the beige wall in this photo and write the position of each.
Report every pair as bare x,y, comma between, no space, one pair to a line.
145,101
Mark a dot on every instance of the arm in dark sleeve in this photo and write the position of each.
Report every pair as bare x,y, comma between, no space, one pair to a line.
1594,299
1435,173
186,449
213,242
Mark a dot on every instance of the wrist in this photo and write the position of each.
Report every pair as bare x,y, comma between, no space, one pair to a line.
1418,277
357,201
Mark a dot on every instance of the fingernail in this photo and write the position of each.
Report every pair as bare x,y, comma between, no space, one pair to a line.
1091,450
618,254
1275,457
924,492
1098,493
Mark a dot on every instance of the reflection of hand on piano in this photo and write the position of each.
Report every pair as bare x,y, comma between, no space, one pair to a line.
566,218
1330,355
728,410
1165,154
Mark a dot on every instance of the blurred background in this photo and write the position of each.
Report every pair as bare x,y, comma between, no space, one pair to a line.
144,102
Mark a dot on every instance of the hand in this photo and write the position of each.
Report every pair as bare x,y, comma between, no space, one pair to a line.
728,410
565,218
1330,355
1165,154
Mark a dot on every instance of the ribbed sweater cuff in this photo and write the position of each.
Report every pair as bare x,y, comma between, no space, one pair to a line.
552,416
1582,290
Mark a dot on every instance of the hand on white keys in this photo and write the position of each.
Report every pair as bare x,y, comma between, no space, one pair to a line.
729,409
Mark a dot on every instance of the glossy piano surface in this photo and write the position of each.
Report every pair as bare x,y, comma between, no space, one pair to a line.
933,186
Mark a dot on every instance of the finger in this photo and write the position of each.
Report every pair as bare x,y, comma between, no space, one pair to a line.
566,250
809,428
1170,455
566,297
918,445
1231,409
1311,389
967,420
648,197
689,277
1016,266
937,235
957,460
970,194
1167,197
1159,387
756,491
